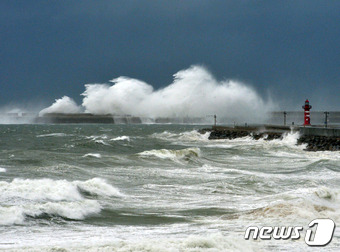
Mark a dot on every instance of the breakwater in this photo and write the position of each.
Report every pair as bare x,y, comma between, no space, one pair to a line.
316,139
293,118
56,118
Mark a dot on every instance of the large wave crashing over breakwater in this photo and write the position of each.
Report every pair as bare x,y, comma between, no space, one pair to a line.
194,92
63,105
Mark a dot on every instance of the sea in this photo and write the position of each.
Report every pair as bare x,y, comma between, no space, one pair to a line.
97,187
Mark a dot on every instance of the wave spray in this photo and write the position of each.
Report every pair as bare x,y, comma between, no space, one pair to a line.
194,92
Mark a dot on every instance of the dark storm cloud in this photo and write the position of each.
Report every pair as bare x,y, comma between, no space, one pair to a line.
52,48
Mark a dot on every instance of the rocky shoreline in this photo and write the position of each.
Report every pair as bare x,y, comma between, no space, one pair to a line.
314,143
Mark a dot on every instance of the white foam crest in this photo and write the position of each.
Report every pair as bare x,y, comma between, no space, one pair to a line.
164,135
2,169
54,135
193,93
98,186
175,155
39,189
62,105
121,138
99,139
76,210
54,190
21,198
193,135
96,155
101,142
289,139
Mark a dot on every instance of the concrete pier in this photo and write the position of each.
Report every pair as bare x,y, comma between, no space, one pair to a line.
318,131
74,118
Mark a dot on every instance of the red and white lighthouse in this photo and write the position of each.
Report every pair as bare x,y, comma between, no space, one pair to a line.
307,107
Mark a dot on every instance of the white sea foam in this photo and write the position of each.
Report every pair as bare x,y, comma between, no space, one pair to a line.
106,241
121,138
11,215
175,155
96,155
302,204
2,169
210,242
289,141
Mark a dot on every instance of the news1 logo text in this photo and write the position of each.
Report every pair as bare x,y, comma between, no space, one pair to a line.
321,236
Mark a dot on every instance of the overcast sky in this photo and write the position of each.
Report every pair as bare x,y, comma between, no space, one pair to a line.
288,49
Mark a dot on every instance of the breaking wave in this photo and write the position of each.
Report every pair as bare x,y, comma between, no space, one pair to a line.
288,139
277,146
175,155
187,136
121,138
98,186
24,198
95,155
99,139
70,210
2,169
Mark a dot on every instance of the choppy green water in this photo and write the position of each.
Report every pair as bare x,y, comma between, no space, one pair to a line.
156,188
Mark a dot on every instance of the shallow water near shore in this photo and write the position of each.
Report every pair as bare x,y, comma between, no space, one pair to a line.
157,188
